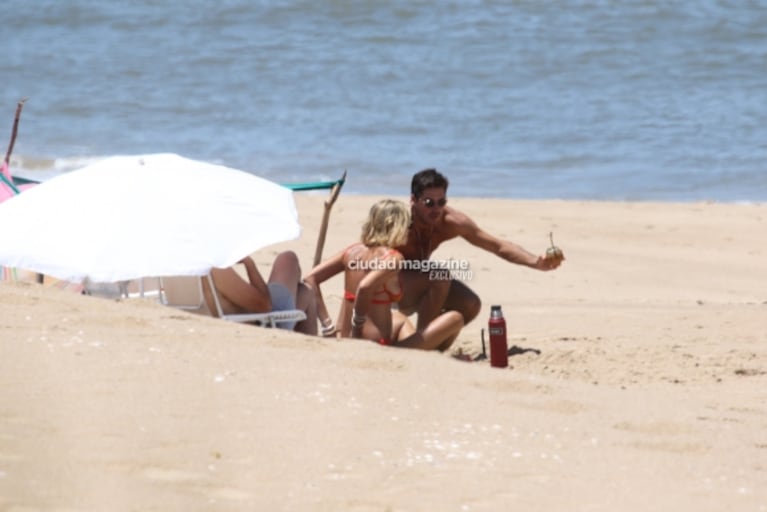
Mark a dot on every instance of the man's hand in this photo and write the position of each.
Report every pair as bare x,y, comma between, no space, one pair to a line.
550,261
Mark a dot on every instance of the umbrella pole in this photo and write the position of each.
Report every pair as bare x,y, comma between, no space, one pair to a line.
15,130
326,218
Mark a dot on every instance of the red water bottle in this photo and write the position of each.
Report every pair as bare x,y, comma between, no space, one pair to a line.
499,346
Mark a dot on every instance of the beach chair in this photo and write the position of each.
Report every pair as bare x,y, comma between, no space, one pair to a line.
27,276
19,275
186,292
141,288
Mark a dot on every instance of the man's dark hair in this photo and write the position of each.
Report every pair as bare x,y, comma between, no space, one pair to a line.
428,178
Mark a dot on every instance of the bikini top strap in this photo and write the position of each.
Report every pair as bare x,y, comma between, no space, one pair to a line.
351,246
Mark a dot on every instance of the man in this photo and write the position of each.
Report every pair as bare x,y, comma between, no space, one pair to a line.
433,222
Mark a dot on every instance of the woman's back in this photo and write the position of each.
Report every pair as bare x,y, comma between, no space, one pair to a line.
359,262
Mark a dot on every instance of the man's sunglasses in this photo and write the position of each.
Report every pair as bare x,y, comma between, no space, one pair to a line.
428,202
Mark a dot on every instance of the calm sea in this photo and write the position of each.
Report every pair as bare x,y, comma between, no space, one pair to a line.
581,99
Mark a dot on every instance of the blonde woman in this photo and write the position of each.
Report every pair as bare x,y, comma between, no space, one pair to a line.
372,285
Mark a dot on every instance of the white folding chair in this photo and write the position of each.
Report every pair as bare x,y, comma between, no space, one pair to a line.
132,289
186,292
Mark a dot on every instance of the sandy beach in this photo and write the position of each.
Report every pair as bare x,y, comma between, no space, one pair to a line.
637,381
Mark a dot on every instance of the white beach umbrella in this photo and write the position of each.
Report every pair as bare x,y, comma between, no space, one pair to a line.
141,216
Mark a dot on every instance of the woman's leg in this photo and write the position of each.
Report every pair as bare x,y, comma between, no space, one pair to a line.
306,302
438,335
402,327
287,271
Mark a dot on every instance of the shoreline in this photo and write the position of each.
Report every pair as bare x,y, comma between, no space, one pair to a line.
44,174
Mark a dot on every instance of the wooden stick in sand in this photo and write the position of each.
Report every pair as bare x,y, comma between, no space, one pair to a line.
15,129
326,218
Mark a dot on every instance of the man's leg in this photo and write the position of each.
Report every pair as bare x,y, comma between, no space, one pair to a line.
422,295
462,299
414,287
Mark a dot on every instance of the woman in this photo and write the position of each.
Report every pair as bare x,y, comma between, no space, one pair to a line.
283,291
371,286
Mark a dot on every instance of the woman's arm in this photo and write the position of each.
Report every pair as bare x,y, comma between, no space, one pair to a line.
318,275
254,276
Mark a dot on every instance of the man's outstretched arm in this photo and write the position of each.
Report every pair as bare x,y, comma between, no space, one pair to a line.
509,251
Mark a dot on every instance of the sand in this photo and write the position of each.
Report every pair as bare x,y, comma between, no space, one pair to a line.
638,382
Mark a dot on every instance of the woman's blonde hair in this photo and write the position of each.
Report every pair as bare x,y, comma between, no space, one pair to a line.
387,224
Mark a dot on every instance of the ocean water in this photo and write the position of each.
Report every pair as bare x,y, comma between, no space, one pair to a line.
581,99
